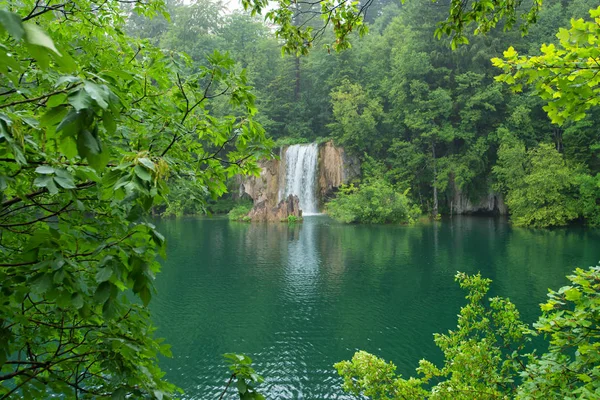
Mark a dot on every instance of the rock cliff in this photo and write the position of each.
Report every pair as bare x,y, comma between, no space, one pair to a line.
266,185
263,211
492,203
335,168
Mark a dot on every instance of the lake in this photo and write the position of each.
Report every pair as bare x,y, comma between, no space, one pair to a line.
298,298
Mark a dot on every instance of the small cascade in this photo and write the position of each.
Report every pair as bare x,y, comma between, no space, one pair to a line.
301,176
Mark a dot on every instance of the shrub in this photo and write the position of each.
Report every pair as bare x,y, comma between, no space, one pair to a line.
375,202
589,198
239,213
484,356
291,219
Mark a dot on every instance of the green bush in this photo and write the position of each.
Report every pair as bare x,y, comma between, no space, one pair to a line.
293,219
589,198
375,202
240,213
485,358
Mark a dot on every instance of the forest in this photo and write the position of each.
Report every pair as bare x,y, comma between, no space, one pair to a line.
112,109
420,115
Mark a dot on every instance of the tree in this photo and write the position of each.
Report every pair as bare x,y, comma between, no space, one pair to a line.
356,116
539,185
193,29
485,358
93,124
566,77
346,16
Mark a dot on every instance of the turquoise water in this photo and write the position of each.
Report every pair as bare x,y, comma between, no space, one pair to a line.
299,298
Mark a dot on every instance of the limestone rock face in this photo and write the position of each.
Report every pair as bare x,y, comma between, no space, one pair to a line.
335,168
493,203
266,186
264,212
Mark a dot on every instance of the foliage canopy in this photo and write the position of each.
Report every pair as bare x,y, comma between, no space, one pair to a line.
566,76
93,124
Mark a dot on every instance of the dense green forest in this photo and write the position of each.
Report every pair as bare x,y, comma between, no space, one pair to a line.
111,108
424,117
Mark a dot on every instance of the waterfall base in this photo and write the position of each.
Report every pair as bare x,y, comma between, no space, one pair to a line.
262,211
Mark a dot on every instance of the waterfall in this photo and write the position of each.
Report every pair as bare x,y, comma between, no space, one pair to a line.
301,175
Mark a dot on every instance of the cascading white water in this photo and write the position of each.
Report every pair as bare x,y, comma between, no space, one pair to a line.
301,175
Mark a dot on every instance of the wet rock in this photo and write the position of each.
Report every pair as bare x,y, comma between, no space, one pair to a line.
492,204
264,212
266,185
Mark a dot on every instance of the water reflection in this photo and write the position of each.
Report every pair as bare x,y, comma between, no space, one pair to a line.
302,267
298,298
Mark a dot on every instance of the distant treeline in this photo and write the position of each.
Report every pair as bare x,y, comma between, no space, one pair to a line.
423,117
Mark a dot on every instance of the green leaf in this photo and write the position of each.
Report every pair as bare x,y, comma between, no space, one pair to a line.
97,93
80,99
41,284
77,300
109,122
109,309
47,182
119,394
56,100
103,274
87,143
99,161
142,173
36,36
102,292
147,163
40,54
44,170
64,182
53,116
71,124
157,237
145,295
159,394
68,147
12,23
66,79
241,385
572,294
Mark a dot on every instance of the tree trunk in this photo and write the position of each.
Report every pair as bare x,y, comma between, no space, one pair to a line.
558,140
297,87
434,212
296,21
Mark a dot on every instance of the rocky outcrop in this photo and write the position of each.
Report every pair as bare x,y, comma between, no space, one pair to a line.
335,168
492,203
266,185
264,212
